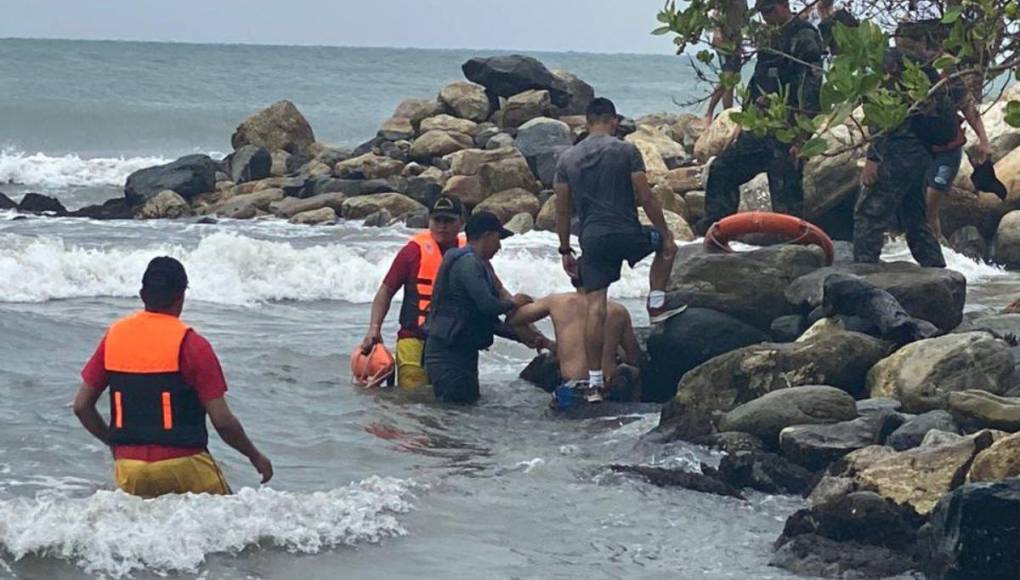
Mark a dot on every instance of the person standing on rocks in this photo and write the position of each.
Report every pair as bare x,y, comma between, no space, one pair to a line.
466,306
791,65
164,379
893,179
727,40
414,270
602,179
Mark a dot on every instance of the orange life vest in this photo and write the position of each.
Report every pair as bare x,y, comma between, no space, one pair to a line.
150,404
416,307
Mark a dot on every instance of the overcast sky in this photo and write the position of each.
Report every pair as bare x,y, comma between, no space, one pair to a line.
557,25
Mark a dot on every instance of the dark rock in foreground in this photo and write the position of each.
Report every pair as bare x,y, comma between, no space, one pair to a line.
817,446
113,209
39,203
249,163
975,533
765,472
768,415
6,202
188,176
662,477
911,434
814,556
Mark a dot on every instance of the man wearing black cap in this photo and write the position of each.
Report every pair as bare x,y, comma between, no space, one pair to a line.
466,307
415,269
164,378
602,179
792,66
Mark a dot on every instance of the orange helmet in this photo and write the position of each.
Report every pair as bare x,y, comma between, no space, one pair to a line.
373,369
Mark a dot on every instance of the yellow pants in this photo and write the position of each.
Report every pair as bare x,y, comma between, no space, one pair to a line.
149,479
410,368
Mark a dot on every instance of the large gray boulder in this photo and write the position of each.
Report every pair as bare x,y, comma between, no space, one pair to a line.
541,141
397,205
581,94
816,446
1007,241
506,76
41,204
933,294
912,433
974,534
188,176
765,417
523,107
981,410
249,163
466,100
281,126
749,286
839,359
921,375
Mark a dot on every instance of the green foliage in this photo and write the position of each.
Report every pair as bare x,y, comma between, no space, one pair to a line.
1013,113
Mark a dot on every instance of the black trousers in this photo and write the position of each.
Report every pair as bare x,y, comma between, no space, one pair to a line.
453,372
745,158
897,199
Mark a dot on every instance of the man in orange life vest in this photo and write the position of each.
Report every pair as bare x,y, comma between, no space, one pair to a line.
415,269
164,378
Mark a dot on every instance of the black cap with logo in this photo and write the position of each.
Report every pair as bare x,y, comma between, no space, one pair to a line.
448,207
483,222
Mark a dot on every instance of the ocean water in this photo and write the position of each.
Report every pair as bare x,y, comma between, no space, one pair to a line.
367,485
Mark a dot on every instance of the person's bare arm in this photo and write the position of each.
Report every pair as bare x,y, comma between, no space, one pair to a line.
232,433
85,409
973,117
523,320
563,212
380,308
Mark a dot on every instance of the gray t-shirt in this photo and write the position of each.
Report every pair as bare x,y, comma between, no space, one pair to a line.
598,171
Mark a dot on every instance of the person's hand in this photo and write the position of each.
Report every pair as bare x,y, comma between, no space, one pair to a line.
263,466
983,152
569,265
521,300
869,175
371,339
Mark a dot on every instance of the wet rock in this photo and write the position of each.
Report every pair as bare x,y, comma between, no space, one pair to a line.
920,477
1000,461
1007,241
1001,326
686,341
423,190
369,166
869,406
766,416
969,242
848,295
932,294
292,206
449,124
788,328
521,223
581,93
936,438
816,446
466,188
717,137
814,556
923,374
417,110
973,533
247,206
418,220
466,100
912,433
165,205
330,155
281,126
546,220
506,76
348,187
541,141
839,359
322,215
731,442
6,202
978,409
500,141
379,219
111,209
658,149
249,163
41,204
278,168
507,204
361,207
863,517
396,129
765,472
543,372
439,143
189,176
525,106
496,171
661,477
749,286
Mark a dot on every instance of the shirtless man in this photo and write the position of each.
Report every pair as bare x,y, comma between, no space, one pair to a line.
621,353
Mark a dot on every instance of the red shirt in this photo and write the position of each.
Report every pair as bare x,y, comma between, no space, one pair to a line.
201,371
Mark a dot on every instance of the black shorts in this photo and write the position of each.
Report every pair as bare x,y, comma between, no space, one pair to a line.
602,256
730,62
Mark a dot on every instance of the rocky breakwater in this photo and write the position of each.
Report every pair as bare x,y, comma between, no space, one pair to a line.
859,387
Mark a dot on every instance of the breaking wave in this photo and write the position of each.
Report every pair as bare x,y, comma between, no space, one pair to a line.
71,170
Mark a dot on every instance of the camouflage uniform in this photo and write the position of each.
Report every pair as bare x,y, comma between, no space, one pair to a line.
750,155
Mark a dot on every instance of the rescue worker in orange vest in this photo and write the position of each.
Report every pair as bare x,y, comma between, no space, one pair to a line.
415,269
164,378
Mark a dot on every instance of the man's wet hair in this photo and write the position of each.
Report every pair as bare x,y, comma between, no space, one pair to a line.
601,110
164,283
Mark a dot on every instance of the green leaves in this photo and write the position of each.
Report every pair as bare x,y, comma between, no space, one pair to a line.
1013,113
885,109
814,148
952,15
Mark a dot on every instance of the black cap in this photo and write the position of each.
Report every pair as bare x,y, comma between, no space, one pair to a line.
483,222
165,275
761,5
447,206
602,107
984,179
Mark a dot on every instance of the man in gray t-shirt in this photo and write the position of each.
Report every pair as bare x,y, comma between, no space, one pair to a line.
602,179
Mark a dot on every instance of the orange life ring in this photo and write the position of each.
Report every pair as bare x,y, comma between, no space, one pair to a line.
373,369
799,231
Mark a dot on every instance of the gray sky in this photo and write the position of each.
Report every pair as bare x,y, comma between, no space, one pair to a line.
558,25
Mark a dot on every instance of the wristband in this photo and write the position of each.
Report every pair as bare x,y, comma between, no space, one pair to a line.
566,251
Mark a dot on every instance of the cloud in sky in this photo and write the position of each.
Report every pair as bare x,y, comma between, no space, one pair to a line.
556,25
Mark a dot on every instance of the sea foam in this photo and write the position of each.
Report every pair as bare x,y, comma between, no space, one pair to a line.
114,534
44,171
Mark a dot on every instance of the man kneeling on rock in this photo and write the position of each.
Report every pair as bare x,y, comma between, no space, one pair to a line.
621,354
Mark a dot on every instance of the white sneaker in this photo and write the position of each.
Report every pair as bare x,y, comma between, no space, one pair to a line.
593,395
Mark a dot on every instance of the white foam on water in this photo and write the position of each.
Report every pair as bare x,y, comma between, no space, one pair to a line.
71,170
114,534
230,268
974,271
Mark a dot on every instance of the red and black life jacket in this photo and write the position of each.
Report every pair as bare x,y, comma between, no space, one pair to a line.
150,404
